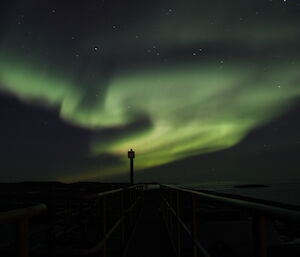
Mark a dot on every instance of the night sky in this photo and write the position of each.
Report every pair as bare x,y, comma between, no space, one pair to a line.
201,90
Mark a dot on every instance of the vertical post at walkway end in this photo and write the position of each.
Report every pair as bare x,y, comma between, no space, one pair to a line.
131,157
194,226
260,235
104,227
23,238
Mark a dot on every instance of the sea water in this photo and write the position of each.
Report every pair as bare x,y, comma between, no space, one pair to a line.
287,192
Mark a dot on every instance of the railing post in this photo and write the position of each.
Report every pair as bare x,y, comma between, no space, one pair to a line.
194,225
169,212
130,209
81,222
165,207
178,225
23,238
123,221
134,205
171,203
104,225
260,237
51,213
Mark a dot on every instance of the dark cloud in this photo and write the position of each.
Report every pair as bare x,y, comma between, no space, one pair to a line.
37,145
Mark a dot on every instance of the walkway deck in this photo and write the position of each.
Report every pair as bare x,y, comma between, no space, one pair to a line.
150,237
86,223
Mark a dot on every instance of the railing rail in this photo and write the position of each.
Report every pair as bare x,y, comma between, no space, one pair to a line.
259,211
196,243
127,215
269,210
15,215
110,192
21,217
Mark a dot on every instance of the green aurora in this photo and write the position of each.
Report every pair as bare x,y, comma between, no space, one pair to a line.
203,102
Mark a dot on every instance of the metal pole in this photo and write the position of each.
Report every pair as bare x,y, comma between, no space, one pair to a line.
131,155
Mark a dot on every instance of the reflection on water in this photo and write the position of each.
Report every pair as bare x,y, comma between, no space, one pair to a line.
282,192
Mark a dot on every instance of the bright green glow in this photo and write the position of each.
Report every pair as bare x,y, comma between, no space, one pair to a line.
193,109
196,109
195,105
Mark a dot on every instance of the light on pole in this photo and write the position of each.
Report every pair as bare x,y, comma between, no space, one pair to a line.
131,157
